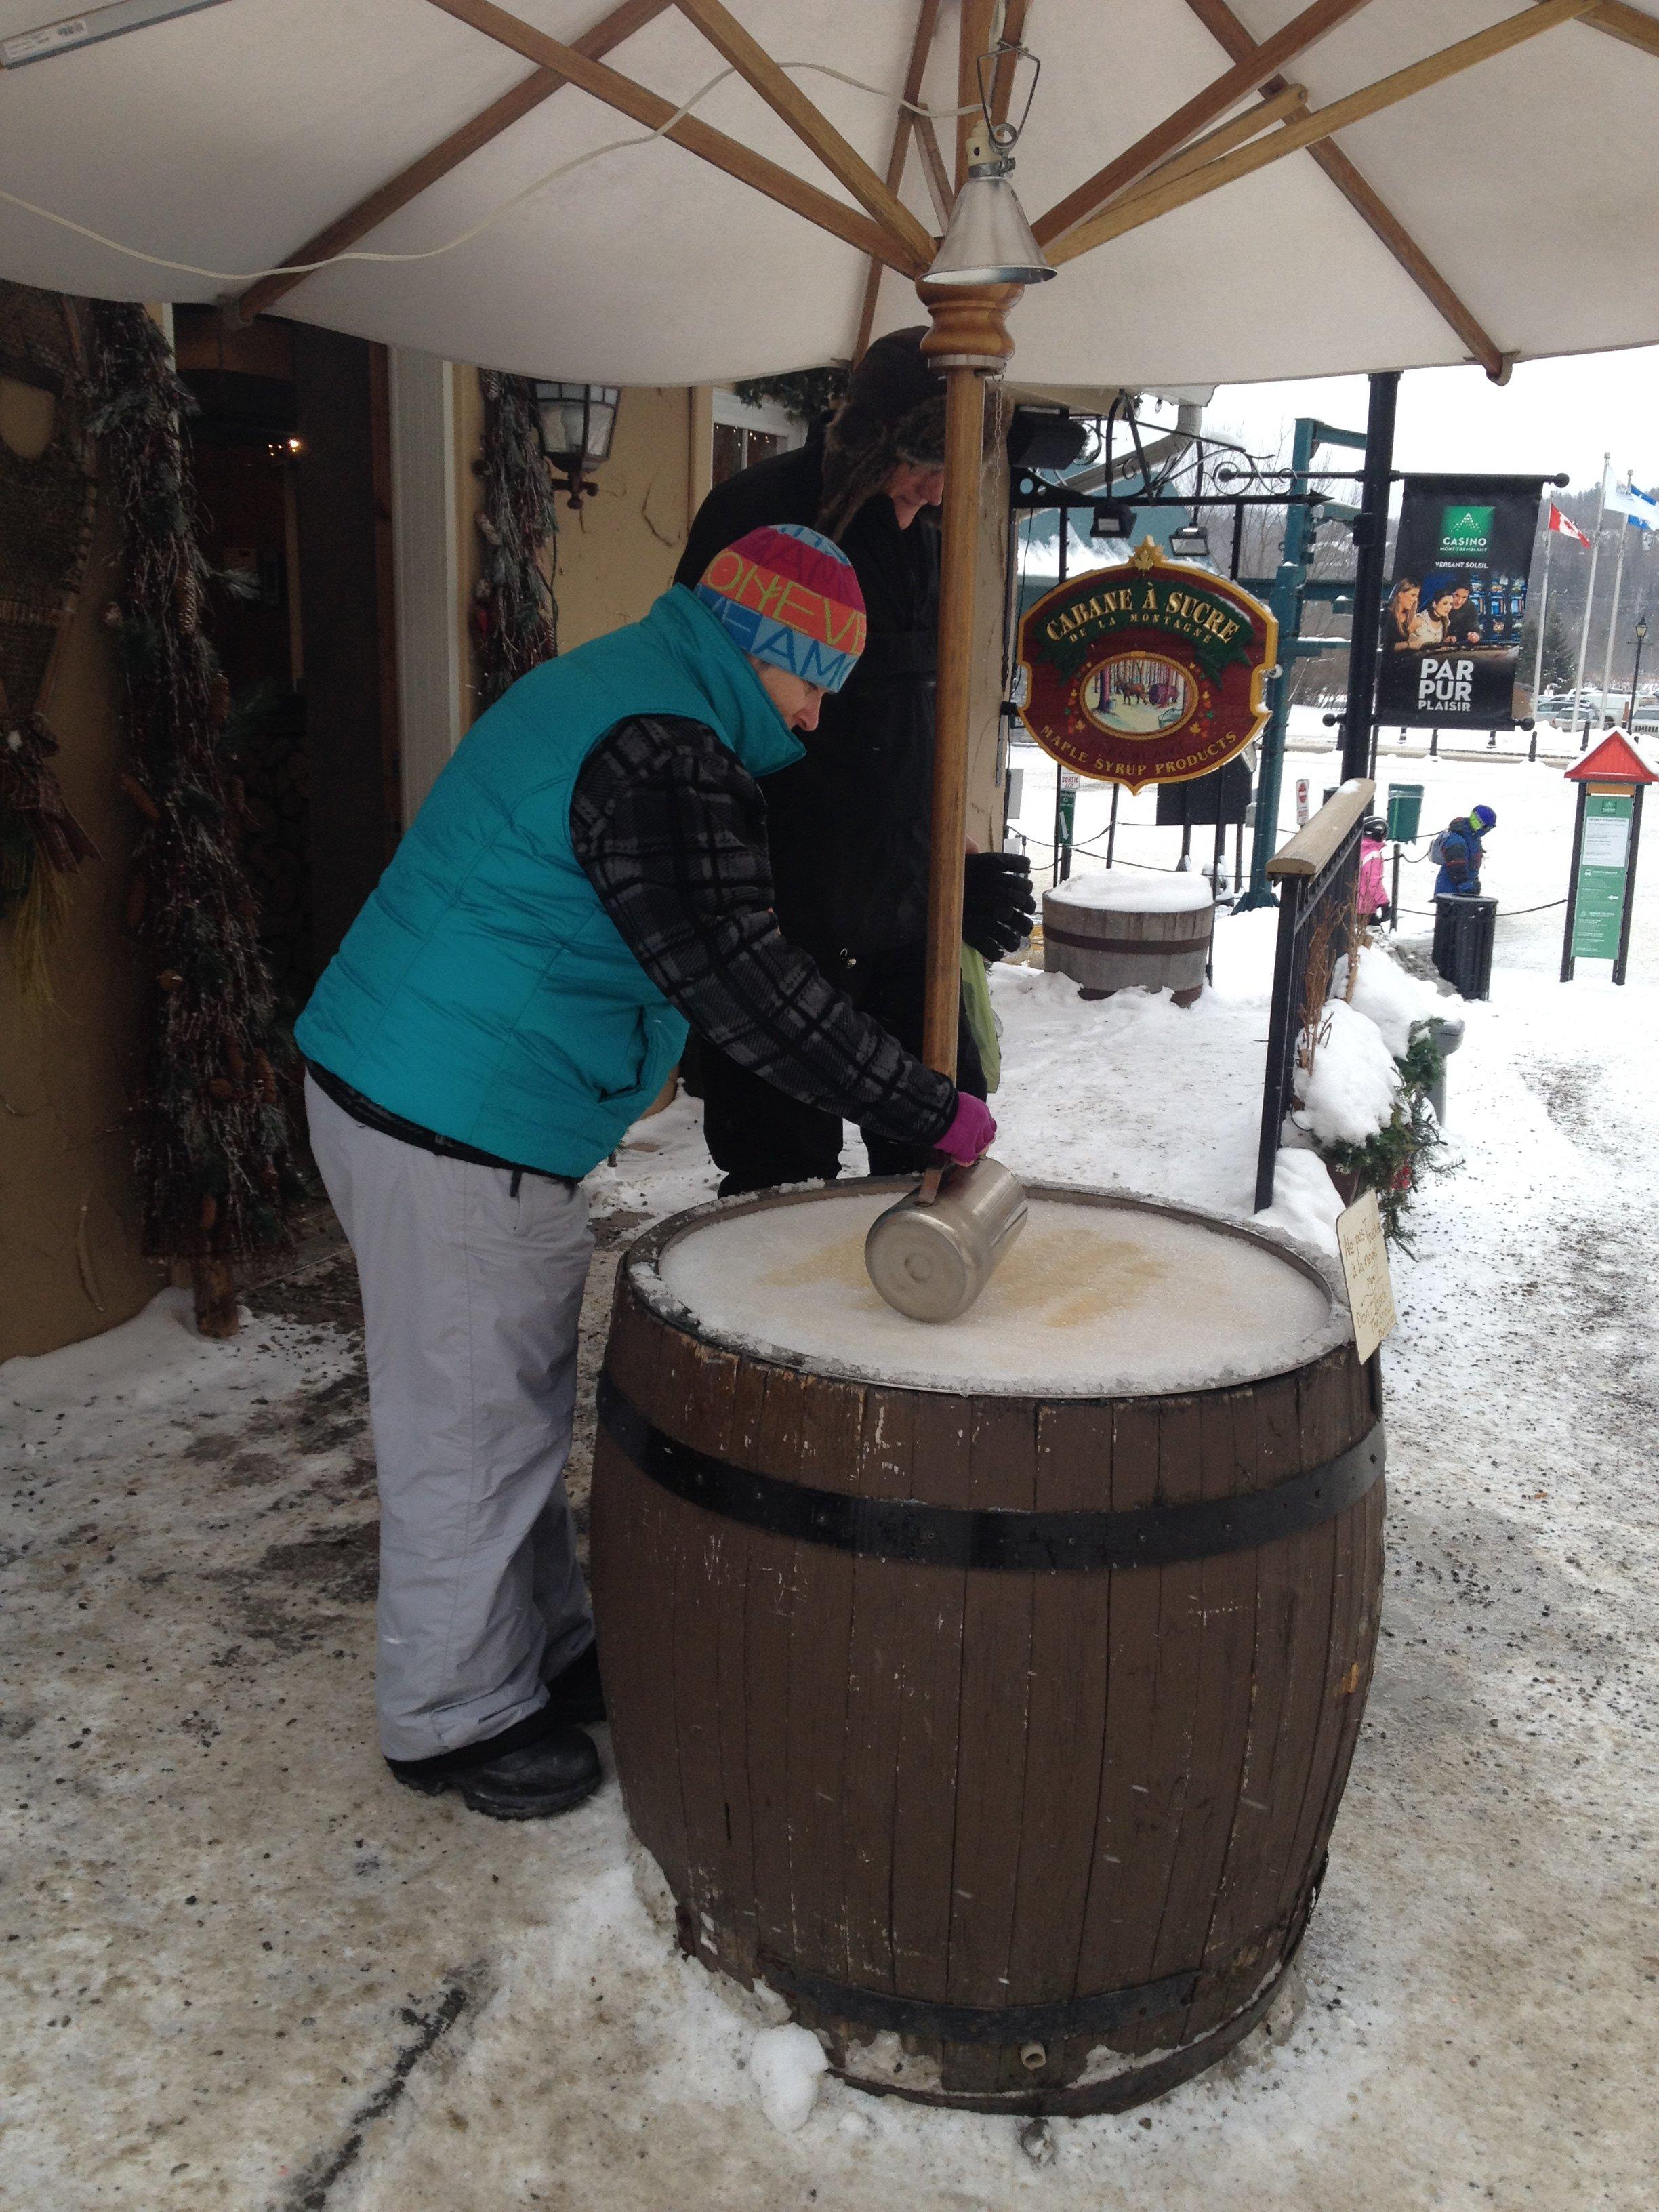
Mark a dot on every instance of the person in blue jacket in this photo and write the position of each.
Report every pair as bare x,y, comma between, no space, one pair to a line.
587,875
1462,850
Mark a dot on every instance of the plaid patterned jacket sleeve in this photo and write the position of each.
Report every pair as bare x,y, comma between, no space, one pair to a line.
670,829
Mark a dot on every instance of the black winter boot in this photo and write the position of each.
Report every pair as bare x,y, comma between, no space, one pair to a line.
576,1693
540,1767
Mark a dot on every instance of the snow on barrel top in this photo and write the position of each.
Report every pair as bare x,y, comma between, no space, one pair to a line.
1097,1297
1136,890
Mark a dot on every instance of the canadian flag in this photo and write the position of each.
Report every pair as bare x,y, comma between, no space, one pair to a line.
1559,521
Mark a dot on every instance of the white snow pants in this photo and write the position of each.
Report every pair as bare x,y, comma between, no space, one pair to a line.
472,1299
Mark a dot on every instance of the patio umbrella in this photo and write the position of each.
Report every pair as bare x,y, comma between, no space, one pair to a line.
1227,191
1499,210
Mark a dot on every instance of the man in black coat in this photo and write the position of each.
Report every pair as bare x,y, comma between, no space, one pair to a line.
849,827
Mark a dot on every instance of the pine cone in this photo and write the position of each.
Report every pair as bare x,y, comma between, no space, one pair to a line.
187,598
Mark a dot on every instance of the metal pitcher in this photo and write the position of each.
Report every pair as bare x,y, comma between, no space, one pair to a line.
931,1257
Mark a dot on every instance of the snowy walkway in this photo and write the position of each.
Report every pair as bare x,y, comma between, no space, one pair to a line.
245,1970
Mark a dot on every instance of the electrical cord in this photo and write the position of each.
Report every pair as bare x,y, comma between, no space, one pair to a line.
486,222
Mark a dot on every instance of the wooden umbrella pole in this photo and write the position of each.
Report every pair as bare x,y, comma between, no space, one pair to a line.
968,343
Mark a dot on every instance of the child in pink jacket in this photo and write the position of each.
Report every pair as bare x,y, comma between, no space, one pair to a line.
1373,892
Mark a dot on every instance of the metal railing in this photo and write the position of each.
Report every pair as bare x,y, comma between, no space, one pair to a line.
1317,878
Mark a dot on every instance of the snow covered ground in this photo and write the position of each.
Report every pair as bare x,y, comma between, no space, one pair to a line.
243,1969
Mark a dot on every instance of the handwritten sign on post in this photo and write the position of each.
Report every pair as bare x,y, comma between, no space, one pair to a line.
1365,1267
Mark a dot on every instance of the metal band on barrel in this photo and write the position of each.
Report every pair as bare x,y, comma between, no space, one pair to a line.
1115,944
1003,2024
903,1529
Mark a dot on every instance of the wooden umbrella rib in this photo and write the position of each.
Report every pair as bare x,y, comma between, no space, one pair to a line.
808,121
920,45
1231,34
1276,107
1630,24
1310,129
409,183
1249,73
650,108
973,39
932,161
1386,227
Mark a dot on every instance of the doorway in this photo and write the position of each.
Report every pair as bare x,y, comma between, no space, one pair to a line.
291,458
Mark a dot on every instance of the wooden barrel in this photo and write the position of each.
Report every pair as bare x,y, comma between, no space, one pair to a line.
998,1728
1120,929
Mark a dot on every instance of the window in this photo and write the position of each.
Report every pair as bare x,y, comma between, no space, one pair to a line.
745,434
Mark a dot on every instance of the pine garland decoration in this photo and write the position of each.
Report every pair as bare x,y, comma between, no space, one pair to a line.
215,1145
515,618
1393,1161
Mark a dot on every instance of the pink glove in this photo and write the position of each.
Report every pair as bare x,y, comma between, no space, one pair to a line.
970,1133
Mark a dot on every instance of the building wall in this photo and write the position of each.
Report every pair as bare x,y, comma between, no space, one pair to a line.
619,551
70,1262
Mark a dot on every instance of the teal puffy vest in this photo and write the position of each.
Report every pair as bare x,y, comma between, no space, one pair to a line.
483,991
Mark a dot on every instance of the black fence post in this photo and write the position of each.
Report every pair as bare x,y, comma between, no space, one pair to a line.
1370,530
1281,1040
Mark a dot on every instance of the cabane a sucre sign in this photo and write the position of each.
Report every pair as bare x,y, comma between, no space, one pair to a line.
1148,673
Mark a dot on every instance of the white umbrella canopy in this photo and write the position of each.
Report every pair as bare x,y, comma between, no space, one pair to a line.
1500,213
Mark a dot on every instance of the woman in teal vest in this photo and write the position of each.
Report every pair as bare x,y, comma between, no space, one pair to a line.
588,875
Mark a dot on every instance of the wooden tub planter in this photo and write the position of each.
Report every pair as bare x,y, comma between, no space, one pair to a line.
998,1728
1127,929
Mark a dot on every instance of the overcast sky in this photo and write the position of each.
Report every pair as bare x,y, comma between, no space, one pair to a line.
1561,414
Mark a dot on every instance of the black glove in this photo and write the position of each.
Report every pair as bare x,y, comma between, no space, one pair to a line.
998,904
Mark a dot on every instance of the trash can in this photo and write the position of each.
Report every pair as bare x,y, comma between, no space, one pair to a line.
1405,811
1463,929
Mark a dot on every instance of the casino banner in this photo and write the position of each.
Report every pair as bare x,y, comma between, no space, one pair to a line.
1149,672
1457,603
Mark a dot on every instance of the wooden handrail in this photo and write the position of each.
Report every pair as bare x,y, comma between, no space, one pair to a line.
1317,840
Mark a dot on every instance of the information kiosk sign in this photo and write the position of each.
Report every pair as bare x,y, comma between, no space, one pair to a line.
1149,672
1611,781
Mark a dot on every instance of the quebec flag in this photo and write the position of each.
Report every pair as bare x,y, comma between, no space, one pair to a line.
1636,505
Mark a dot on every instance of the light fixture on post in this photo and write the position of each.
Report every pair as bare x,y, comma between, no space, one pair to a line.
1191,542
987,239
1636,672
575,424
1112,518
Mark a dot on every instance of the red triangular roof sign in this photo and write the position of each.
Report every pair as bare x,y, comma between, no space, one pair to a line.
1614,761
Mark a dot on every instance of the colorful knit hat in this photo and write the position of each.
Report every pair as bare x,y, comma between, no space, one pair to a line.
789,597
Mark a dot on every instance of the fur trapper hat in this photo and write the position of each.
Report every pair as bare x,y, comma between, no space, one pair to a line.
894,411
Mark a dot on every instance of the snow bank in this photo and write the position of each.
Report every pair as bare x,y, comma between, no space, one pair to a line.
1306,1202
1350,1092
1136,890
1386,995
784,2065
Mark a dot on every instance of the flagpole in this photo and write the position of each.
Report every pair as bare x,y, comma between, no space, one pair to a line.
1543,616
1589,601
1613,618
